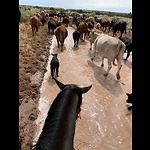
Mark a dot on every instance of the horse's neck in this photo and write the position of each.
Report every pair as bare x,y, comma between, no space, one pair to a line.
60,124
68,121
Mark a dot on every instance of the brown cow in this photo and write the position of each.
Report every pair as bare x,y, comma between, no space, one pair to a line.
61,33
83,29
35,24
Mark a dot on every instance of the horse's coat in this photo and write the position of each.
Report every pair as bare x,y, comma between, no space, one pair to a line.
59,127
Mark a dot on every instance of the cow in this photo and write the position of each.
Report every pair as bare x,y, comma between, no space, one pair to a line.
83,29
105,24
51,26
61,34
35,24
107,47
128,43
117,25
129,100
66,20
76,37
54,65
43,21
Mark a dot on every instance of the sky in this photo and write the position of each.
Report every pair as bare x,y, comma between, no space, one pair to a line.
122,6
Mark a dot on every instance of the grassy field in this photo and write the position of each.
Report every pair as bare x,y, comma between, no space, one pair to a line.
26,14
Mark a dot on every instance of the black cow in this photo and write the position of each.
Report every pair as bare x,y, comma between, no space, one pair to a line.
54,65
59,23
128,43
117,25
43,21
90,24
76,37
51,26
129,100
65,20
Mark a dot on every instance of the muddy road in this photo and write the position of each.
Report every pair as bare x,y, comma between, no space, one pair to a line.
105,123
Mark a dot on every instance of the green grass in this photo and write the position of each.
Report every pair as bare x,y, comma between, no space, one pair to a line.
25,15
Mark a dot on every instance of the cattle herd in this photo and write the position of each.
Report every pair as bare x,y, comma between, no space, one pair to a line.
95,28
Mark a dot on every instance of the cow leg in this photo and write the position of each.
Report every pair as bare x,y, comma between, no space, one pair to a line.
62,44
121,33
109,67
114,63
52,31
52,72
90,45
57,71
32,31
102,64
128,54
58,42
119,68
77,42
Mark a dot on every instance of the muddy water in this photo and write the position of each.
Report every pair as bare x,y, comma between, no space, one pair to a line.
105,123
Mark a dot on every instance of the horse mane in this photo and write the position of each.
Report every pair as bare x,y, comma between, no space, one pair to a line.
54,116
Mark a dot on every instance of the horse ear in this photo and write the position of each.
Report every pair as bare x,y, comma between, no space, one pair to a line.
85,89
60,85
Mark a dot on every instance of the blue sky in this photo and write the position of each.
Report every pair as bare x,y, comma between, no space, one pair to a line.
123,6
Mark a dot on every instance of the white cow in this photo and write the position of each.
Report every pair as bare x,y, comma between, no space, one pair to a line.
107,47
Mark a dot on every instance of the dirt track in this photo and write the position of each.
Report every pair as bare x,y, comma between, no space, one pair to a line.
104,124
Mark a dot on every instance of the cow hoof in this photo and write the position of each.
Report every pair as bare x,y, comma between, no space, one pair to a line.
105,74
118,77
102,65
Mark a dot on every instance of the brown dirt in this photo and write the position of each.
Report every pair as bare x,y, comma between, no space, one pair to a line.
33,56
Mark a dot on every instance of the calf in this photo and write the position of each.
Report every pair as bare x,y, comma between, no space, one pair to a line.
129,100
128,43
76,37
54,65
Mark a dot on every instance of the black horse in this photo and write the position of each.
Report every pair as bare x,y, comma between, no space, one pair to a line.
59,127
